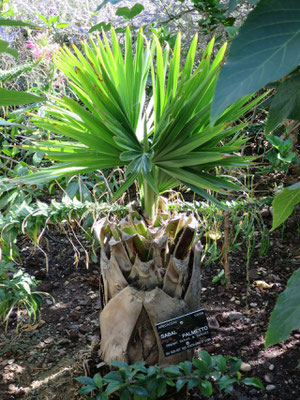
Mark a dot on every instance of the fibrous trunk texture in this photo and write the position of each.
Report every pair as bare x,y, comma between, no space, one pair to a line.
150,274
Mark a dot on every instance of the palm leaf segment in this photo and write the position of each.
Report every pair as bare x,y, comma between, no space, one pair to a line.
163,138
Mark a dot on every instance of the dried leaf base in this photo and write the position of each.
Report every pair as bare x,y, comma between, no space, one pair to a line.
150,274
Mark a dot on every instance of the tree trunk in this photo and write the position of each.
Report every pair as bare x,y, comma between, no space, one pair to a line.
150,275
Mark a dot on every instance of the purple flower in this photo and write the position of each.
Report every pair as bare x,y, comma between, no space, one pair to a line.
53,11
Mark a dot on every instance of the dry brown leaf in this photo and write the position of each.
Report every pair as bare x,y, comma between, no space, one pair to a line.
31,328
263,285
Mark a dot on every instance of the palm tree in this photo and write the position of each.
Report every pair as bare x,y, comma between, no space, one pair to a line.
163,137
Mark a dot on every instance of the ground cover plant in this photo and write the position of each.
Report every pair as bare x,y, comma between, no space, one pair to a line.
153,382
240,232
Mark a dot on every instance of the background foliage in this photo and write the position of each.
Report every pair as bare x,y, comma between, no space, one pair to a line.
29,76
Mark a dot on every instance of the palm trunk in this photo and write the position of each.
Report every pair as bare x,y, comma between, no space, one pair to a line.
149,276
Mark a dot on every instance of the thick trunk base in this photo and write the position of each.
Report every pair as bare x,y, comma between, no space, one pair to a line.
128,330
139,294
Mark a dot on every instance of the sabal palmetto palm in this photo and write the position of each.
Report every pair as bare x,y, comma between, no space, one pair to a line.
163,137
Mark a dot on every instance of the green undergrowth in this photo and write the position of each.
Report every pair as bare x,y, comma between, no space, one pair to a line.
23,214
205,375
30,218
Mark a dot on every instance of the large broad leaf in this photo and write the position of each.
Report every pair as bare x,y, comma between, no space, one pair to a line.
13,98
286,102
286,315
284,203
265,50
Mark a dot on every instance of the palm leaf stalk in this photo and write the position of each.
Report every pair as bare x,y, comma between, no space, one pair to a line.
150,263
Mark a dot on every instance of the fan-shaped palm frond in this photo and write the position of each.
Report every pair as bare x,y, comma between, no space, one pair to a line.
163,139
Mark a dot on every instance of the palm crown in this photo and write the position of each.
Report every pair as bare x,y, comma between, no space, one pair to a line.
163,137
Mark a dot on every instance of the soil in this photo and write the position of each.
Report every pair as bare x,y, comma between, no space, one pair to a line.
42,360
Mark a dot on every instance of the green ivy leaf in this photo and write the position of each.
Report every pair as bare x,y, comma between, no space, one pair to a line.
139,390
113,376
180,383
173,370
225,381
253,382
221,363
205,357
262,52
228,389
205,388
286,314
86,380
101,396
186,366
130,13
113,387
161,389
119,364
87,389
170,382
192,382
234,365
153,370
283,146
202,368
288,158
98,381
140,366
125,395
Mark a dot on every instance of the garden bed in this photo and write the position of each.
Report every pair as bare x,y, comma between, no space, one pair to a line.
42,363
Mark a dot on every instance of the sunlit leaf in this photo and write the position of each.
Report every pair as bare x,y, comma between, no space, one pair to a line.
284,203
129,13
253,382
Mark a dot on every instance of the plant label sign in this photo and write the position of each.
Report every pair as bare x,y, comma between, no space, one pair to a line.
184,332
